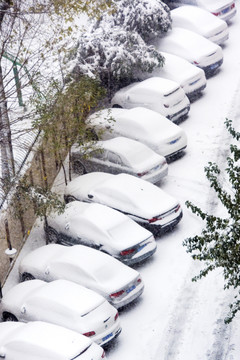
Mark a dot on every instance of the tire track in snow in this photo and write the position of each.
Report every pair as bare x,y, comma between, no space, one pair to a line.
184,306
221,347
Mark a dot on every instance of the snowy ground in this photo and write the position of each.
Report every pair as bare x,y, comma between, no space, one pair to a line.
176,319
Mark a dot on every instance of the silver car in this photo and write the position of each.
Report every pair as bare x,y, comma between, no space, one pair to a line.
121,155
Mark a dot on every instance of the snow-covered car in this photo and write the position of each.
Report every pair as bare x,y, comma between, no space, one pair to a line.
191,78
38,340
223,9
192,47
161,95
200,21
144,202
102,273
65,303
102,228
141,124
120,155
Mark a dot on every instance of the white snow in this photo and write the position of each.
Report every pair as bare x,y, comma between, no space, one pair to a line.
176,319
145,125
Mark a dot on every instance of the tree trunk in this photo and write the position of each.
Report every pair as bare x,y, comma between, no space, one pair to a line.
7,161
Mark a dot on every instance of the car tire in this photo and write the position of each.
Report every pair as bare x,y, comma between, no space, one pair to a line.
116,106
52,235
79,168
69,198
26,277
9,317
92,135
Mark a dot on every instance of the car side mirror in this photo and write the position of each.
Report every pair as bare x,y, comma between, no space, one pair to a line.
23,310
47,271
90,196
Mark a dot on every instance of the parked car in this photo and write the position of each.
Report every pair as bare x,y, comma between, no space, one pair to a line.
63,303
161,95
120,155
223,9
144,202
37,340
88,267
200,21
147,126
193,48
102,228
191,78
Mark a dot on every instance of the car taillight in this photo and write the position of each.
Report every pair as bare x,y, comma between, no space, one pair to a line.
195,62
166,105
103,355
154,219
233,6
117,294
142,174
127,252
139,280
116,316
216,13
178,207
89,333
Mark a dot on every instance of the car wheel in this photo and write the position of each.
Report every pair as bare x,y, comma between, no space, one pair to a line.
9,317
116,106
79,168
69,198
27,276
92,135
52,235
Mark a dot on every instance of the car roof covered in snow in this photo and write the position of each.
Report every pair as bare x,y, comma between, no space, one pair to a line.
199,18
153,84
123,192
102,223
192,44
139,122
59,294
53,341
69,262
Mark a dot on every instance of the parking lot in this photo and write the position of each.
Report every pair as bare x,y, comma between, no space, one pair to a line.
176,319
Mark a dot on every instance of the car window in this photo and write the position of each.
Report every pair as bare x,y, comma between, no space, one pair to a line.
113,158
98,154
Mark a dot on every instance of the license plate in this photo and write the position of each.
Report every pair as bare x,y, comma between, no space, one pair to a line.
174,141
107,337
213,66
224,11
130,289
141,247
